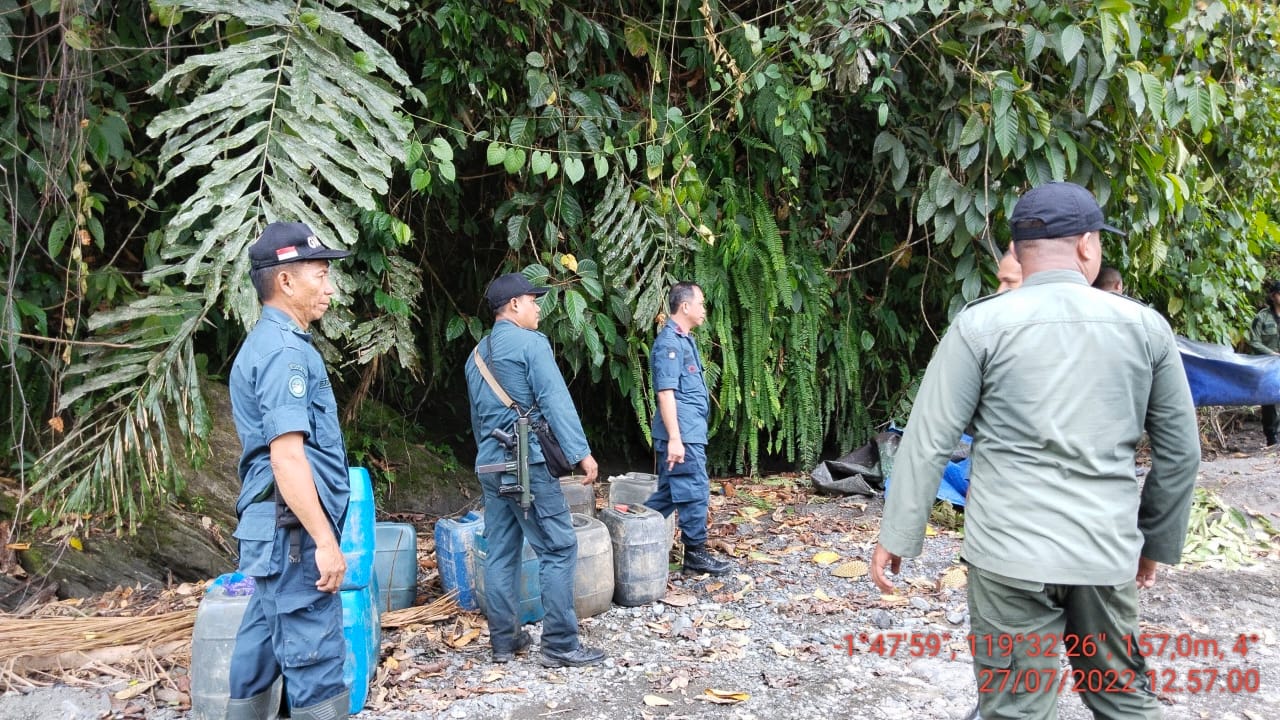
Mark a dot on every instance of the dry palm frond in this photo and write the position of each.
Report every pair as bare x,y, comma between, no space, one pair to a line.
435,611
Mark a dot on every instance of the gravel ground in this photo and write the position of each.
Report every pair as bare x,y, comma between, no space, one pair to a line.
790,634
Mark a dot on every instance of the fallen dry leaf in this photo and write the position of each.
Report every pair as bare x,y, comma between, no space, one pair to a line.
852,569
135,690
781,649
954,577
821,595
826,557
675,598
725,697
465,638
655,700
764,557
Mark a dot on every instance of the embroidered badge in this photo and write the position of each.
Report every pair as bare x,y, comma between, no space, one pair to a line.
313,241
287,253
693,368
671,354
297,386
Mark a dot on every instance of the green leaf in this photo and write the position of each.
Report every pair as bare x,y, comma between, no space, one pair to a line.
454,329
574,169
517,231
636,39
1005,125
973,131
602,166
575,307
867,340
420,180
540,163
1070,41
514,160
447,170
495,154
1098,96
535,59
441,150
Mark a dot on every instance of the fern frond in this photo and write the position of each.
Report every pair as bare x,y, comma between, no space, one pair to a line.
286,125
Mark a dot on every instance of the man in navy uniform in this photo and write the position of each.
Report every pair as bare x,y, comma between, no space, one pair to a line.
680,428
520,360
293,488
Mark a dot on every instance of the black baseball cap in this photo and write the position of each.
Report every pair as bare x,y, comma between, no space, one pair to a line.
1057,210
511,285
286,242
1272,286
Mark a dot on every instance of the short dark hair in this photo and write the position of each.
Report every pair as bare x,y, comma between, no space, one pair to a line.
681,293
264,281
1107,276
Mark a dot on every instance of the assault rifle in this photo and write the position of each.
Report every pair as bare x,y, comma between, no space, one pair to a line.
517,447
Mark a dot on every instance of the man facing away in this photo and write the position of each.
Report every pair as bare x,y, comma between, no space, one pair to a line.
293,488
1059,534
521,362
680,428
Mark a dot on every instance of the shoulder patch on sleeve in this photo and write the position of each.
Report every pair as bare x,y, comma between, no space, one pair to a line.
297,385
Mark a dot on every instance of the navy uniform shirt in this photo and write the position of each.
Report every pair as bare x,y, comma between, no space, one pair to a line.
523,364
677,366
279,385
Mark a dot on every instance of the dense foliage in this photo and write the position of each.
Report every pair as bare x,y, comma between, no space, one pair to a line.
836,174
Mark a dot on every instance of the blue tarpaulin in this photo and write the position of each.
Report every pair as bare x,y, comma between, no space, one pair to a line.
1219,376
1216,374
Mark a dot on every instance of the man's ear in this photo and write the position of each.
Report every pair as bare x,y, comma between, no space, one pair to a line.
1084,248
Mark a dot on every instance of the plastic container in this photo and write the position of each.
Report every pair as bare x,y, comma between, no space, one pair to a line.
395,565
640,546
362,628
635,488
454,542
530,608
632,488
357,531
581,498
212,641
593,578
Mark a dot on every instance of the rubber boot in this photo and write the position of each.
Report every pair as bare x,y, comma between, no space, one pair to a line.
335,708
257,707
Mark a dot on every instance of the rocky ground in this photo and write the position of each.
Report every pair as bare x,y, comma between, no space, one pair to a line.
798,631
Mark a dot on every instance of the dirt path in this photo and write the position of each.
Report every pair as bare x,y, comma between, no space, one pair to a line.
787,636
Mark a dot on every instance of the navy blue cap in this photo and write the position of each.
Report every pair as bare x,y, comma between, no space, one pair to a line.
511,285
286,242
1057,210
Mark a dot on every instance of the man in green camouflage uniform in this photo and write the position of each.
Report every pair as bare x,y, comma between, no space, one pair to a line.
1059,382
1264,339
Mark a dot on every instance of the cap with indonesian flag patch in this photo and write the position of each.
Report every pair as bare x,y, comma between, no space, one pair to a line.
285,242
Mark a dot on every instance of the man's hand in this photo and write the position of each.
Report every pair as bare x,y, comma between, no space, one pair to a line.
675,453
1146,572
590,469
879,559
332,566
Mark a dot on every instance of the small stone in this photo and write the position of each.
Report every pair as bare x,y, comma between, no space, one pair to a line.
920,603
957,617
881,619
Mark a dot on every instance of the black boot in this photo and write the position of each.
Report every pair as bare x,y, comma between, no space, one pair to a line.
697,559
